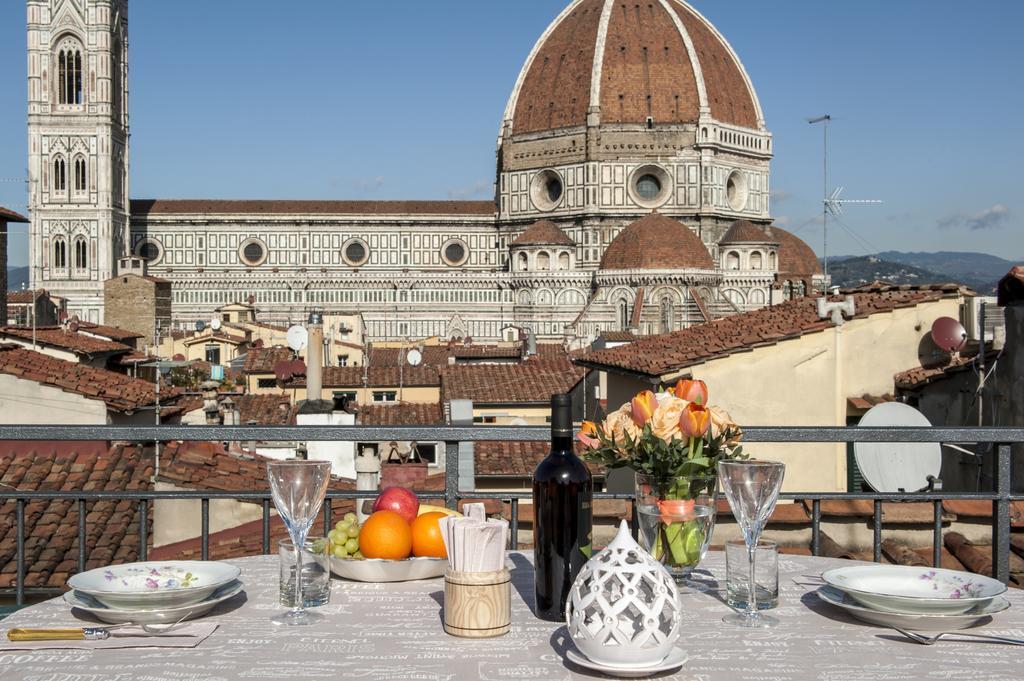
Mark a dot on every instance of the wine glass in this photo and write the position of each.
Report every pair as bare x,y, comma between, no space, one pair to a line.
298,488
752,488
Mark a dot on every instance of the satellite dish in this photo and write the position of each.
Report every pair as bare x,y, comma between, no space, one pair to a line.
897,466
949,334
200,326
297,337
215,324
414,358
178,357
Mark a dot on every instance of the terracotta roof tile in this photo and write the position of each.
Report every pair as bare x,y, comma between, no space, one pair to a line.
439,355
146,207
264,410
917,377
109,332
745,231
8,215
1011,287
530,382
24,297
400,413
543,233
120,392
494,458
375,377
795,256
656,242
263,360
57,337
666,353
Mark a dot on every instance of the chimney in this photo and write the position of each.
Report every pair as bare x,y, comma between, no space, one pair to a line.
315,358
461,414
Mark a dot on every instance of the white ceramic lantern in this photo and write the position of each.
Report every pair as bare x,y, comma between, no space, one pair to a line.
623,608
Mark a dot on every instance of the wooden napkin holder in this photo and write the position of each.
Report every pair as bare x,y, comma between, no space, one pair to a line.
477,604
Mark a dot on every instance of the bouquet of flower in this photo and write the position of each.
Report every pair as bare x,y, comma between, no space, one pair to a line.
676,440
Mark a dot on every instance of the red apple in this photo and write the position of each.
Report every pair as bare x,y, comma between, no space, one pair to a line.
400,500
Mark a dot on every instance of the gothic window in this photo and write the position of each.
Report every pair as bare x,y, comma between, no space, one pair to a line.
543,261
771,261
755,260
60,253
667,315
69,72
623,315
563,260
523,262
757,297
81,253
79,166
732,260
60,174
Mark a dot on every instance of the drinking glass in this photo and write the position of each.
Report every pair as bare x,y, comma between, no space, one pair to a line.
298,488
752,488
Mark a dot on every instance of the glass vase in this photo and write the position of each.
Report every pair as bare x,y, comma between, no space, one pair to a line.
676,519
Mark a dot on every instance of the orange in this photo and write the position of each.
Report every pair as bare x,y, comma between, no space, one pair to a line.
385,534
426,536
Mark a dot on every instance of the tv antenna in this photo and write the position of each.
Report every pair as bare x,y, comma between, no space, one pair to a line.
831,204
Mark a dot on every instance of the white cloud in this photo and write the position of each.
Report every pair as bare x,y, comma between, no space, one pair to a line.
479,189
990,218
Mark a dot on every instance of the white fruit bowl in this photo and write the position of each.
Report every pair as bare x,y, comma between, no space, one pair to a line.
154,584
380,570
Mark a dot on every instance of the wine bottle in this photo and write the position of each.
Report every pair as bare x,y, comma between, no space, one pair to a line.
562,527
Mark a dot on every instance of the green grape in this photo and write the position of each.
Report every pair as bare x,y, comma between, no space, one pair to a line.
353,531
321,546
358,555
339,551
352,545
351,518
342,525
337,537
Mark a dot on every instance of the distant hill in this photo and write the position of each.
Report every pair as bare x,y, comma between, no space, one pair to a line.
16,277
979,271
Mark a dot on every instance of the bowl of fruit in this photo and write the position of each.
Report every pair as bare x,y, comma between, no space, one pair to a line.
400,541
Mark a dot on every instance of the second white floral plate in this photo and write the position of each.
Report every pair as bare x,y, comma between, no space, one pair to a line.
159,616
915,622
154,584
914,590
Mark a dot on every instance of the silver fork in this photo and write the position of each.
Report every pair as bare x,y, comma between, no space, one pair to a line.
931,640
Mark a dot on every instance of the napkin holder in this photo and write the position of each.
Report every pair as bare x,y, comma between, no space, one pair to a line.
477,604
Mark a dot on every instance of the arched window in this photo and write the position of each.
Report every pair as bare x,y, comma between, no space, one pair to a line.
771,261
60,174
60,253
732,260
563,261
757,297
668,315
755,260
624,315
79,173
523,262
81,253
69,72
543,261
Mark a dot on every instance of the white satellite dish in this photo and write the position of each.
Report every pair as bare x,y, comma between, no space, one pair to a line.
897,466
414,358
215,324
297,337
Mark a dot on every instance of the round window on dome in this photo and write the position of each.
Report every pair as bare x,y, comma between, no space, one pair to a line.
149,250
650,185
546,190
736,192
454,252
355,252
252,252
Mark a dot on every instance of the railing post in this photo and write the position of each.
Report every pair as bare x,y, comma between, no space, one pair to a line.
451,475
1001,515
19,575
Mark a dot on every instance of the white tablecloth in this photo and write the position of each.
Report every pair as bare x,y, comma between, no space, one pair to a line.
393,631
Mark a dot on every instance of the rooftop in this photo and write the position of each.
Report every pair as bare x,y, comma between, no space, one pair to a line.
530,382
375,377
400,413
8,215
543,233
147,207
264,360
109,332
64,339
657,242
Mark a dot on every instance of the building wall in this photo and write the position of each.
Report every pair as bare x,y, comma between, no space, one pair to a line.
138,304
428,394
180,519
30,403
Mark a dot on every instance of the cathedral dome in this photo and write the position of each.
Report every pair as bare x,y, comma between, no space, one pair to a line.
795,256
543,233
657,242
745,232
634,64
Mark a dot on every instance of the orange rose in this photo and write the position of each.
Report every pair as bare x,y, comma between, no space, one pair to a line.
665,421
588,435
695,420
691,391
674,510
643,406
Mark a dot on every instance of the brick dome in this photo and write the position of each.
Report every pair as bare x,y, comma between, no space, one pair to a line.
795,256
543,233
628,62
745,231
657,242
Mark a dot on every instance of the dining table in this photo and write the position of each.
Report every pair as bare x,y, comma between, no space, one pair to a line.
383,631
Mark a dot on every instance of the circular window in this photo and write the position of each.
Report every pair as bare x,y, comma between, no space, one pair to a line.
454,252
650,186
149,250
736,190
355,252
546,190
252,252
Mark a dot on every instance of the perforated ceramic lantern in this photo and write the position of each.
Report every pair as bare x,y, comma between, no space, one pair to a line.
624,606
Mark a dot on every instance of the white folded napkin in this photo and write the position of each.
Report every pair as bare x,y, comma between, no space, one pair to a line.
186,636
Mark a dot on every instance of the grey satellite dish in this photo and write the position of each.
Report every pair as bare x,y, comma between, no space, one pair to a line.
297,337
414,358
200,326
897,466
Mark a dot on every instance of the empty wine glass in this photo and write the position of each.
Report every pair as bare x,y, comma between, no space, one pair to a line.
298,488
752,488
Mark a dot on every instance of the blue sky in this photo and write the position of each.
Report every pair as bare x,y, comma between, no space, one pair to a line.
250,99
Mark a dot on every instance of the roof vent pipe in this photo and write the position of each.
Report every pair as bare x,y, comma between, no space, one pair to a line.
315,358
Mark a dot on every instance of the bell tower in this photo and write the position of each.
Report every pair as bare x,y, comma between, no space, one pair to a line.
78,147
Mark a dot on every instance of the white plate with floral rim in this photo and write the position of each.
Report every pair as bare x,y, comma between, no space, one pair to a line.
916,622
911,590
154,585
90,605
380,570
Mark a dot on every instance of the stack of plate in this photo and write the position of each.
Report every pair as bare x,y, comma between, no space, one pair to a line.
914,597
153,591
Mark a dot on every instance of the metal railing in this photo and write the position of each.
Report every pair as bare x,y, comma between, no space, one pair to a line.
1001,497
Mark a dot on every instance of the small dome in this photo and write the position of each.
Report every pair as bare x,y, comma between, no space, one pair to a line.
657,242
543,233
795,256
745,231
